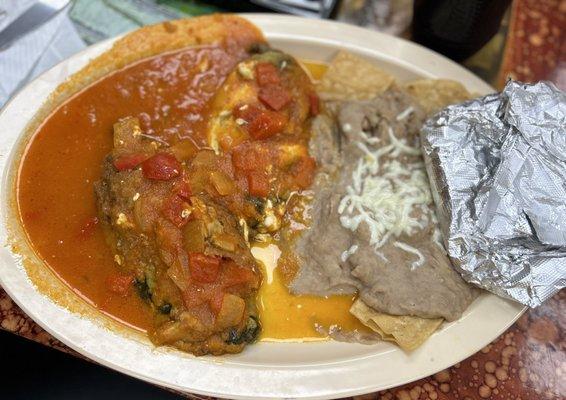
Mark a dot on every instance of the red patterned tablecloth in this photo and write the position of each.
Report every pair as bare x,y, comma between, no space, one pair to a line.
528,362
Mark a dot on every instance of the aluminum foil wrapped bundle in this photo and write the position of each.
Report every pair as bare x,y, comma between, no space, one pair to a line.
497,166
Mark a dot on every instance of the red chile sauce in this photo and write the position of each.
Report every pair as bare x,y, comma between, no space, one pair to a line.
169,93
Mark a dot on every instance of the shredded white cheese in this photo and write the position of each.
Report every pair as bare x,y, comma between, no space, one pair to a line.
381,255
391,197
408,111
409,249
401,146
347,253
367,139
365,149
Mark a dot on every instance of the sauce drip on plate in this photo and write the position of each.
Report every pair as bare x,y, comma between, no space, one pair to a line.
288,317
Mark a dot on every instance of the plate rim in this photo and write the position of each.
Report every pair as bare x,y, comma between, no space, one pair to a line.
265,22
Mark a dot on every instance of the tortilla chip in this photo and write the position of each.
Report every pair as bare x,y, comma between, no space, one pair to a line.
350,77
435,94
408,332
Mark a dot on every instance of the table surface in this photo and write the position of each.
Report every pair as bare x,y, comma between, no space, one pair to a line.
529,360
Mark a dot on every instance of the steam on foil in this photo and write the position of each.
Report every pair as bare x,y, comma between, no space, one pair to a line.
497,167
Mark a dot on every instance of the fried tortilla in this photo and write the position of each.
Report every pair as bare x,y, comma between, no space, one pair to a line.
352,78
435,94
407,331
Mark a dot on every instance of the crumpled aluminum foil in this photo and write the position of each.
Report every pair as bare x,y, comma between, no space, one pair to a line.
497,167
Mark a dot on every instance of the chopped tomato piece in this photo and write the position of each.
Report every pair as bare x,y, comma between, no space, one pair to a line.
258,184
314,104
241,158
162,166
120,284
175,209
88,227
274,96
129,161
266,73
260,123
247,112
266,125
251,156
182,189
303,172
236,275
204,268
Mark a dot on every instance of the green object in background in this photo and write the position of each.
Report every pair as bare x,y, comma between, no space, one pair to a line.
190,7
97,20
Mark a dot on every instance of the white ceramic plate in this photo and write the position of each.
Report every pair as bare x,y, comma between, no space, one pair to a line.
265,370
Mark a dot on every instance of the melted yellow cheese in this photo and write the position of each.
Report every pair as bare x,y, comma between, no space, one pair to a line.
288,317
315,69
